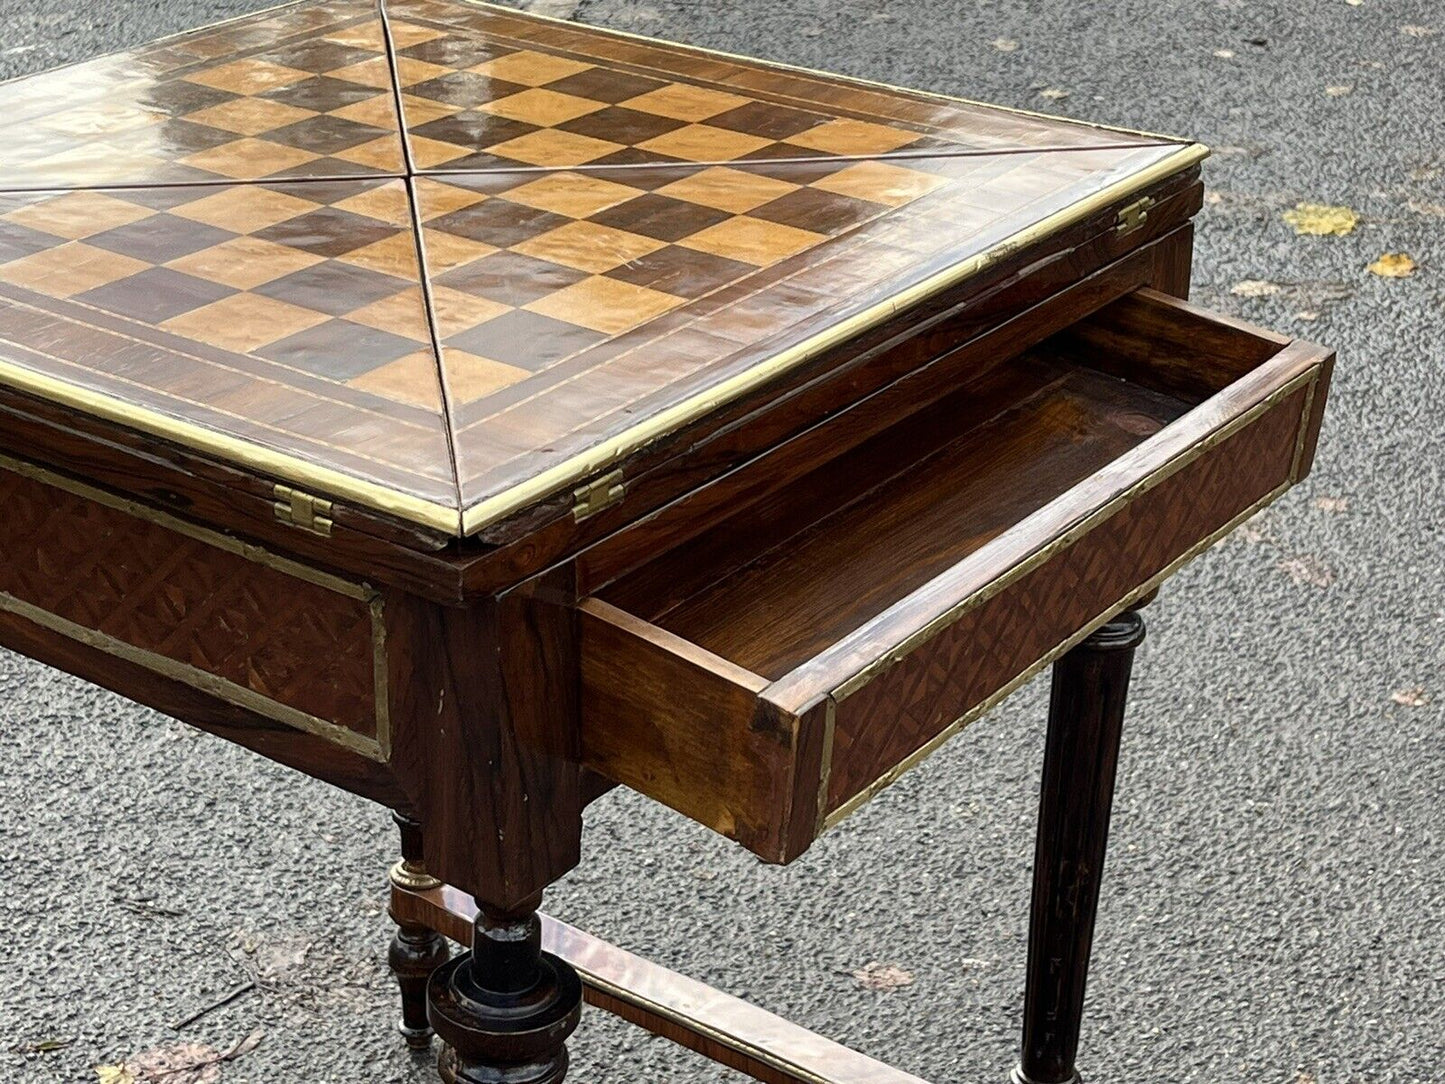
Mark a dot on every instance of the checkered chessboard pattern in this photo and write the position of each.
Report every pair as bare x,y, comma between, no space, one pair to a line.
440,247
306,92
284,313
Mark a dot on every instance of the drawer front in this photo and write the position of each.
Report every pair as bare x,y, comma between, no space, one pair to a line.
769,676
295,645
891,715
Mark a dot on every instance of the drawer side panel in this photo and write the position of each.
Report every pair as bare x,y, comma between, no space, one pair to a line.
248,628
885,725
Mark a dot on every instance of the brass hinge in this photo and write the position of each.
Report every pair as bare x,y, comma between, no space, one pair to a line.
1134,215
303,510
597,495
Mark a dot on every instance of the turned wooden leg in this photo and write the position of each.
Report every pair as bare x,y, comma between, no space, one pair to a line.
415,950
506,1008
1086,716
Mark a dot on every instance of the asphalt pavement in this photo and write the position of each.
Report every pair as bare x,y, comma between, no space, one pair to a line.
1274,911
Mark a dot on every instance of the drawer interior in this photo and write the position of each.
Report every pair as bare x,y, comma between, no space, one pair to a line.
782,579
808,642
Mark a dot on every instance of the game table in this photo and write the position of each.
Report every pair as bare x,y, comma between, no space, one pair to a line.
478,411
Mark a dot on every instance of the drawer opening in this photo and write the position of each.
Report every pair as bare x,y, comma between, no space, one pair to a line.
769,673
782,579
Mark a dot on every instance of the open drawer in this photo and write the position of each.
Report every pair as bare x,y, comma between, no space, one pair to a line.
781,666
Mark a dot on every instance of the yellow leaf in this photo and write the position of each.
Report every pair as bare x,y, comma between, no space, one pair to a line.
1393,265
1319,219
114,1074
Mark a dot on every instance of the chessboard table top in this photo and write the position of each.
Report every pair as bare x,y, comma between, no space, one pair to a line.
445,260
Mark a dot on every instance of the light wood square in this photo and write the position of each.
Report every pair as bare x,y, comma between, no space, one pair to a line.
456,311
244,322
588,246
727,189
471,377
573,194
382,154
365,36
249,158
432,153
245,208
446,251
550,147
245,262
379,112
542,107
386,203
881,182
249,76
403,313
753,240
421,111
374,73
682,102
249,116
605,305
70,269
847,136
412,379
78,215
530,68
98,163
436,198
394,255
412,71
704,143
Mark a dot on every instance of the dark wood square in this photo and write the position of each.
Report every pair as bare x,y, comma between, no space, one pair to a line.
325,135
525,339
510,278
332,287
498,222
160,238
155,295
661,217
768,120
819,211
605,85
682,272
339,349
622,125
329,231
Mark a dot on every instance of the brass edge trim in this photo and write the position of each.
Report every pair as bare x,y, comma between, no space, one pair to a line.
937,741
380,679
1073,534
371,495
692,1024
198,679
825,775
1304,428
855,79
256,554
260,556
608,452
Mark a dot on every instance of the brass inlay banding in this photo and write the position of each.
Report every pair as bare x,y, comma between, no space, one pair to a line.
851,805
377,748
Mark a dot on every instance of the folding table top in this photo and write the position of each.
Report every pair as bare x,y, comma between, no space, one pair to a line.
443,259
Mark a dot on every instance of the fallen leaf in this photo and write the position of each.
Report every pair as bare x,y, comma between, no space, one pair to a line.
1308,315
1393,265
1309,1078
1417,31
1321,219
1332,504
1354,3
1307,570
1224,54
885,977
1005,45
1411,698
1339,90
1254,288
114,1074
1053,94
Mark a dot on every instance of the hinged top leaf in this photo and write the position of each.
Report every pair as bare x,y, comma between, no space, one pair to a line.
446,260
